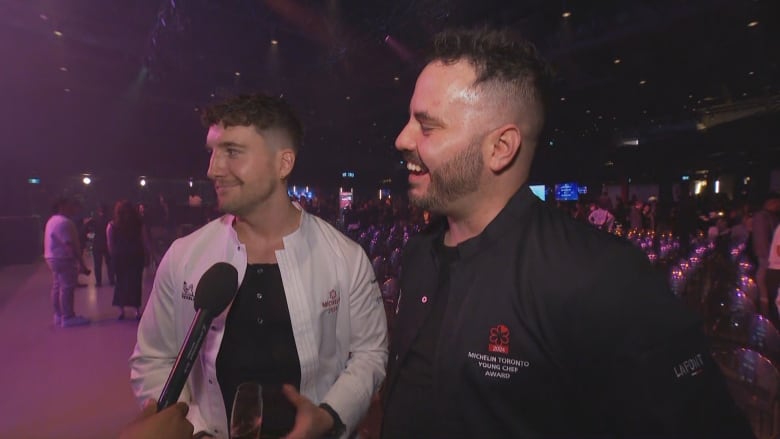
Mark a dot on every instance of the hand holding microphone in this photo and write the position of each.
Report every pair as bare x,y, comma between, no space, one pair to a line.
215,290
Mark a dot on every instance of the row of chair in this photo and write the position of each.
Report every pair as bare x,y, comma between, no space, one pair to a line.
745,344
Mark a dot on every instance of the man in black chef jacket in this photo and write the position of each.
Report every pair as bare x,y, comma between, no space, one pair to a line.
515,321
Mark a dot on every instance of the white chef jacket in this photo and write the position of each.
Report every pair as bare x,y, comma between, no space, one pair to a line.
335,306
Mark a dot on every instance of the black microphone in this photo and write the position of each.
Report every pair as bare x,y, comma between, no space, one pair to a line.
216,288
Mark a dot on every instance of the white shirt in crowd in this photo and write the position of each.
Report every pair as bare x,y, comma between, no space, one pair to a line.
602,219
59,238
774,251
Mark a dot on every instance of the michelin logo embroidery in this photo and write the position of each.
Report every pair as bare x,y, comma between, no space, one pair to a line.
331,302
188,291
498,366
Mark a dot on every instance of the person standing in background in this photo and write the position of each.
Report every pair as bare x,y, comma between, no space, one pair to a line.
127,244
601,218
97,226
635,216
764,223
773,278
62,251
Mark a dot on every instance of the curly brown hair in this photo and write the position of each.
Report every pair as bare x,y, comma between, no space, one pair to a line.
500,58
261,111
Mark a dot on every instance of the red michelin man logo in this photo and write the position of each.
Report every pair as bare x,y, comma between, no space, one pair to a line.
499,339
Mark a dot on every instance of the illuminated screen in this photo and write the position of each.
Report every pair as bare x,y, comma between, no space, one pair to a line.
538,190
345,199
567,192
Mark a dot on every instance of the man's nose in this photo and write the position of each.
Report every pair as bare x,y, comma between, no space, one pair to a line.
404,140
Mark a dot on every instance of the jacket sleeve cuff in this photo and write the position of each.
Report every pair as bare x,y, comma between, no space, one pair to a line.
338,426
196,419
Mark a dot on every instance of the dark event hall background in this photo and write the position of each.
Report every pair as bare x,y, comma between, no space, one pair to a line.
650,97
646,91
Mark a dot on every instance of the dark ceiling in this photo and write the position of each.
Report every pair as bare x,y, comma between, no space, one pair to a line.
120,89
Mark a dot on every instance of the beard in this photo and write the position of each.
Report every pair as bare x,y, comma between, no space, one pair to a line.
456,178
245,198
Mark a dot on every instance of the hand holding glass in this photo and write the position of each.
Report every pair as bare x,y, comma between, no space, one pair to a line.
247,416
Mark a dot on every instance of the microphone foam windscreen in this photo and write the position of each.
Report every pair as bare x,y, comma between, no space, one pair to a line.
216,288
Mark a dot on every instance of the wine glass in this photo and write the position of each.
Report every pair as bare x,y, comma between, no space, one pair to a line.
247,415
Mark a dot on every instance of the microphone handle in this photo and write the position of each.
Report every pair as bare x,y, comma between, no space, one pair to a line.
186,359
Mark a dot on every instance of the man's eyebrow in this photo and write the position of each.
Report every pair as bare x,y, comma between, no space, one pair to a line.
424,116
227,144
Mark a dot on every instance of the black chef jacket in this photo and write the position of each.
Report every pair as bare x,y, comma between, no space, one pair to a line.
553,329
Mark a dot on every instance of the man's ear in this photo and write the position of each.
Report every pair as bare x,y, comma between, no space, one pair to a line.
506,144
286,162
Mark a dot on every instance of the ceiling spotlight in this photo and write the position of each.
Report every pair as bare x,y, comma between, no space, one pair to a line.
396,78
274,42
238,73
629,142
142,181
616,61
563,98
566,14
190,182
63,69
44,17
348,98
751,73
57,33
67,90
642,82
86,180
753,24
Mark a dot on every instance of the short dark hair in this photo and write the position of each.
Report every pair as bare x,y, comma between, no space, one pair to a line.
63,202
259,110
500,56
